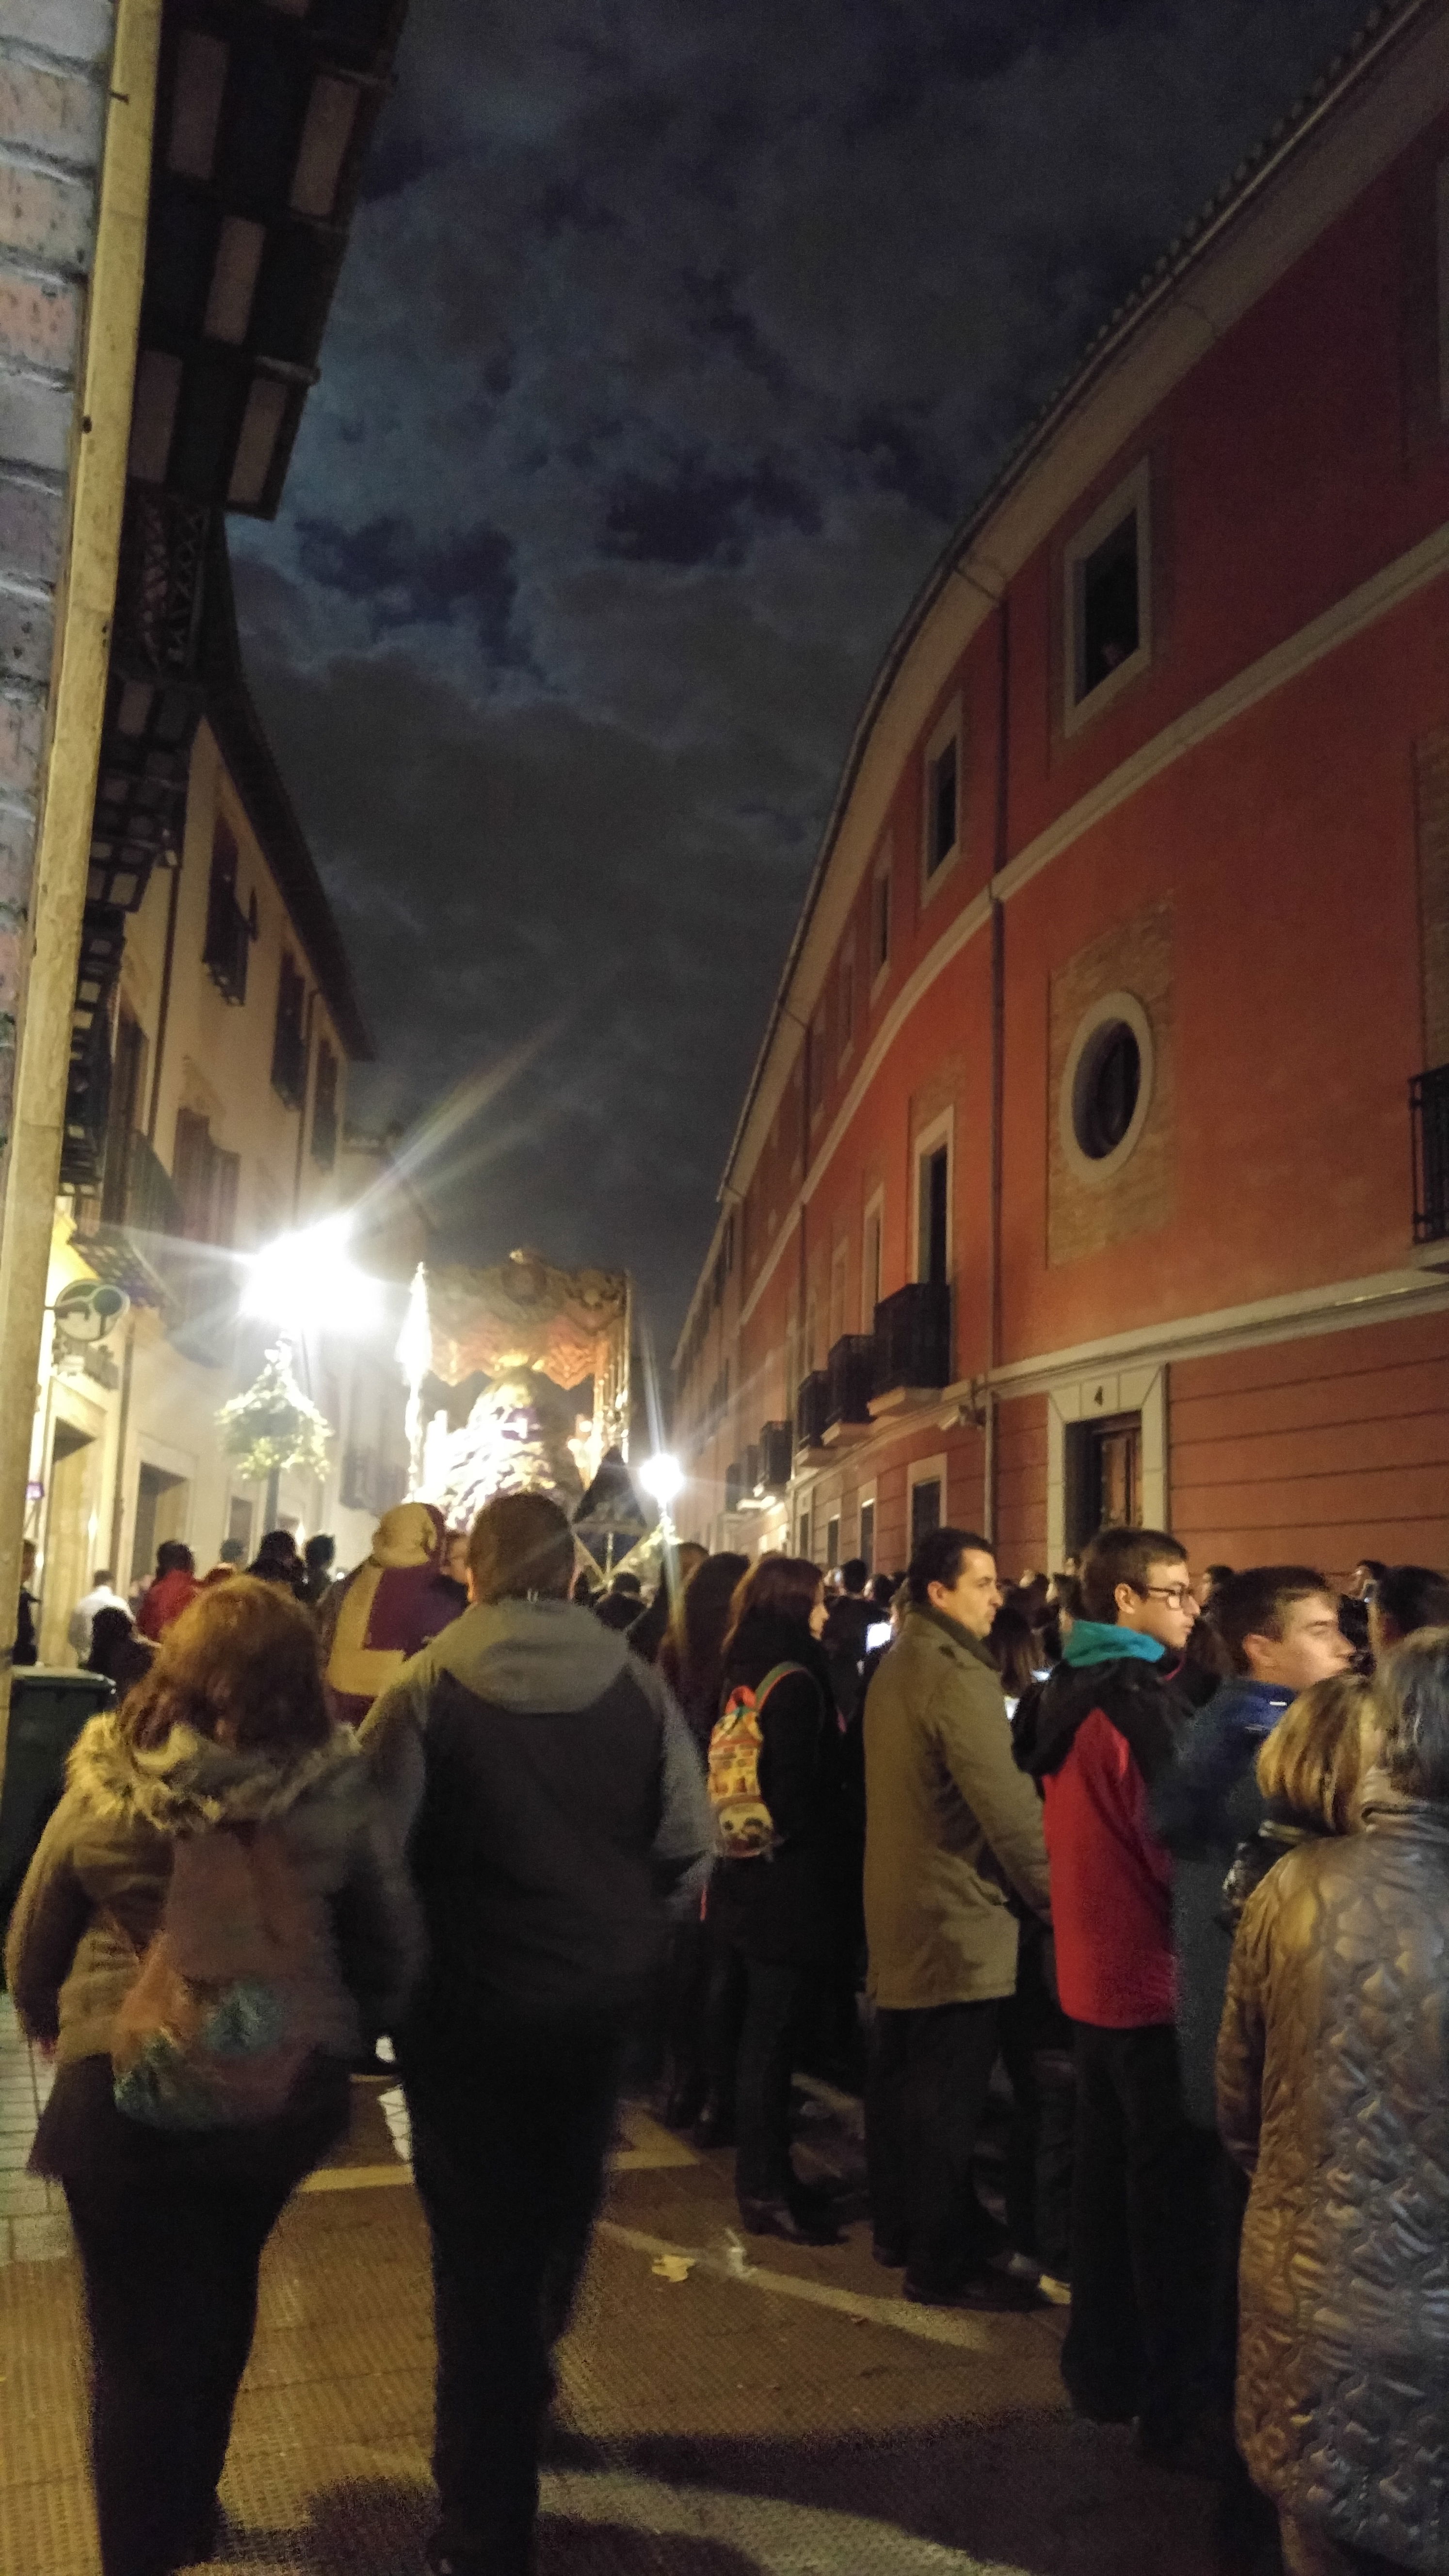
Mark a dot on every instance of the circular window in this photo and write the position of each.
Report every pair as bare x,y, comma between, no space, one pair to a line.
1106,1086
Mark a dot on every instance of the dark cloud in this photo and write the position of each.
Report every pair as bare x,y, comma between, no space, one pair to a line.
671,342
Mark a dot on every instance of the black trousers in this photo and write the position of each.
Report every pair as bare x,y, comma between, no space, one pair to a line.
925,2090
1144,2228
509,2142
170,2229
777,2003
171,2300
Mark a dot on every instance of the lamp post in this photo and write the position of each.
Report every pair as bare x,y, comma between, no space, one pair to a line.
662,1478
307,1282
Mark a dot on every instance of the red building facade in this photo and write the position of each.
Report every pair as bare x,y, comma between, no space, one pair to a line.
1094,1162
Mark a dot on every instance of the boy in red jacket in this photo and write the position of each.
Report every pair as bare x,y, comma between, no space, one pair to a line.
1101,1731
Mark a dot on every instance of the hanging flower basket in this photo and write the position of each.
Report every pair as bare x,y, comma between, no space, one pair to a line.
274,1429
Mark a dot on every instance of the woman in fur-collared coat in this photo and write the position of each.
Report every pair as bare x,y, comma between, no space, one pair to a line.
1333,2093
228,1733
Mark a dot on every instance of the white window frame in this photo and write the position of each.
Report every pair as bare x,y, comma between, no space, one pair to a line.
1132,498
874,1215
950,729
926,1471
1104,1012
941,1131
882,875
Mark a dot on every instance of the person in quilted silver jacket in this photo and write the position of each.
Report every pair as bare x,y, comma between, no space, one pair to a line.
1333,2093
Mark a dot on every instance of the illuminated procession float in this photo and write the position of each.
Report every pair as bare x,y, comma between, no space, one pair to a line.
518,1380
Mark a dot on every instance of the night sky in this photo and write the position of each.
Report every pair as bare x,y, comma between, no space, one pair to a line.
673,338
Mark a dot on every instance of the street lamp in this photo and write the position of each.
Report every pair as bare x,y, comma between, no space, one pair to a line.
309,1281
661,1477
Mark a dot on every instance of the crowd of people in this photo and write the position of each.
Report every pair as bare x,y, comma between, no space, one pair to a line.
1160,1866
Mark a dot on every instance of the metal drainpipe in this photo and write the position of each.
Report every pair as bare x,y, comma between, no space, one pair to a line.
998,1028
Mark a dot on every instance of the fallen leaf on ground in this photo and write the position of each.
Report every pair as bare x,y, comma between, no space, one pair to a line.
672,2267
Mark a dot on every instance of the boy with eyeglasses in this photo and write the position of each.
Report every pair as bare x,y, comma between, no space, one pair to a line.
1101,1731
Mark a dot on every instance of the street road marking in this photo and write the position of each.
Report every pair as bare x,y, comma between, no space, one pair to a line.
773,2534
356,2177
931,2325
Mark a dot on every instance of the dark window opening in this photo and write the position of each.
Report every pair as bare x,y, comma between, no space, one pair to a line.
205,1179
832,1542
942,819
1110,609
882,945
289,1046
1108,1086
866,1549
229,930
925,1509
935,1182
324,1108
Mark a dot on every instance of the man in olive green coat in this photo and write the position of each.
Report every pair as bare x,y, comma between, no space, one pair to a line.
953,1842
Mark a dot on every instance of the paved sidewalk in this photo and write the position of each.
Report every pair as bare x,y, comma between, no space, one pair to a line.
774,2410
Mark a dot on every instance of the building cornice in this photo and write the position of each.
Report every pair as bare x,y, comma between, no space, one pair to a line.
1370,104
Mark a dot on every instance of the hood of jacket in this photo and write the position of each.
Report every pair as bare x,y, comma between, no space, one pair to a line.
1134,1695
190,1784
552,1656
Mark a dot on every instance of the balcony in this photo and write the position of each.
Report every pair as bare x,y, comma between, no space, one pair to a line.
850,1373
812,1407
140,1216
1429,1110
912,1343
776,1454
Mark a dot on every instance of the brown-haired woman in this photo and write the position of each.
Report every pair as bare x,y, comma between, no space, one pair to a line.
783,1917
228,1731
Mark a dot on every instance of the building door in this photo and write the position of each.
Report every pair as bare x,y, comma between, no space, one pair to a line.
1104,1485
162,1502
71,1526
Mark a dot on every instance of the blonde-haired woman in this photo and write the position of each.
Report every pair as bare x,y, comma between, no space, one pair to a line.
1311,1771
228,1733
1333,2095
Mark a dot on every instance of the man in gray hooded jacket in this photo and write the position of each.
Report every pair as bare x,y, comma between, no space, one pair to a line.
552,1806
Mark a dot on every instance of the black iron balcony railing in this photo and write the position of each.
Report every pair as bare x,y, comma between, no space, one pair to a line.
1429,1110
913,1336
850,1369
152,1206
811,1409
776,1458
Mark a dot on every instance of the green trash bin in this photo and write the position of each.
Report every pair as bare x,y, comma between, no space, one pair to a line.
48,1708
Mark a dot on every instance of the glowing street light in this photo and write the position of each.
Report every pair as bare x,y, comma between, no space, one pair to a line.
662,1478
309,1281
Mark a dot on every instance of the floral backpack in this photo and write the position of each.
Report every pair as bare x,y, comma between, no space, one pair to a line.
217,2026
743,1823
